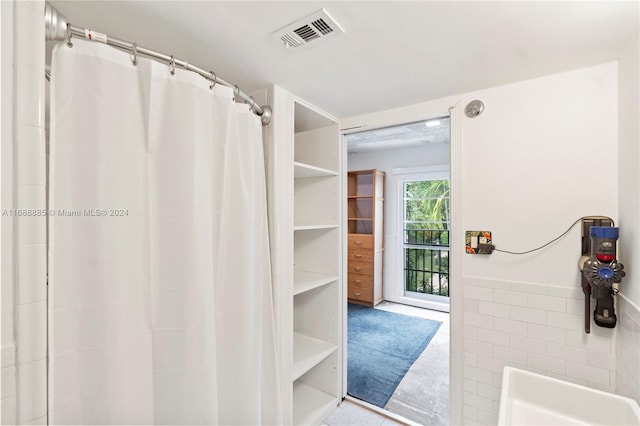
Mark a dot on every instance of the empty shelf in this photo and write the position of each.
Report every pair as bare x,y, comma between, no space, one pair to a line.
311,406
302,171
311,227
308,352
305,281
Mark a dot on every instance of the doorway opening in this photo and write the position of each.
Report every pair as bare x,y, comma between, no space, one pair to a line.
398,292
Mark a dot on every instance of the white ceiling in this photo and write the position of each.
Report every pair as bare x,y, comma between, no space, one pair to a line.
409,135
392,53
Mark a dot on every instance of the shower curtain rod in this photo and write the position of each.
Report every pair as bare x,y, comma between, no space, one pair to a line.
57,28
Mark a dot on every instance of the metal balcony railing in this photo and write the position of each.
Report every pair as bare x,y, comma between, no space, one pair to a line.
426,261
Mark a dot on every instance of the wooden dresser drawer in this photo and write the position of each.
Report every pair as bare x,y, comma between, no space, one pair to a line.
360,281
360,241
360,255
365,295
361,268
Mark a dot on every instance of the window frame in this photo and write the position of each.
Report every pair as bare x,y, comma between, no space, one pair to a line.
413,175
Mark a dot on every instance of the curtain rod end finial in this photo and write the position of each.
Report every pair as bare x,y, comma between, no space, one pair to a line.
55,23
267,113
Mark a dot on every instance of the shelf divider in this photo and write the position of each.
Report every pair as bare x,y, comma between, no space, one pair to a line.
308,352
311,406
311,227
303,171
305,281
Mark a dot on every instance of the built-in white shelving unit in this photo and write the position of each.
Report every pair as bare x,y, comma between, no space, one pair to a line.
317,264
307,225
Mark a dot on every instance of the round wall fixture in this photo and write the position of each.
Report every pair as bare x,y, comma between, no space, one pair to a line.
474,108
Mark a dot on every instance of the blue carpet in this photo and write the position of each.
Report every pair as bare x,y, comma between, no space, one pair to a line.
382,346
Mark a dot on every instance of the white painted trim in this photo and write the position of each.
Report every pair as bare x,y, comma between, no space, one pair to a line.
414,113
381,411
279,169
344,290
392,117
455,268
420,303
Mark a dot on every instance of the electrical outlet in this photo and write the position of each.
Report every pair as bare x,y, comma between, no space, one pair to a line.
478,242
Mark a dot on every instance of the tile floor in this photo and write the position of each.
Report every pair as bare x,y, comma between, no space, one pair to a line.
422,397
350,414
423,394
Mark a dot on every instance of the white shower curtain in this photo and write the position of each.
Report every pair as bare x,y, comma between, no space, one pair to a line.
160,294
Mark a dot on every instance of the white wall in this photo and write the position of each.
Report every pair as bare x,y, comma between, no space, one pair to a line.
386,161
542,154
629,176
628,339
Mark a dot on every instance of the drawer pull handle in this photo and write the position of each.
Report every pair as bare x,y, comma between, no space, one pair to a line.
357,256
358,243
358,269
358,281
358,294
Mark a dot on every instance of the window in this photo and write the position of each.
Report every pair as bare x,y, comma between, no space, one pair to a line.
426,236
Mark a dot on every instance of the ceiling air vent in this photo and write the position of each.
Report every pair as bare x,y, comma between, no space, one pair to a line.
308,30
306,33
322,26
289,41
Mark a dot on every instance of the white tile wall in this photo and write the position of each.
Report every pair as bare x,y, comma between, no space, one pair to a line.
32,391
29,404
8,391
534,327
8,372
627,358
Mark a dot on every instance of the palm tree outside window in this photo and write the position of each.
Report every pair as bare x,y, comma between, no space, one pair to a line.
426,236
